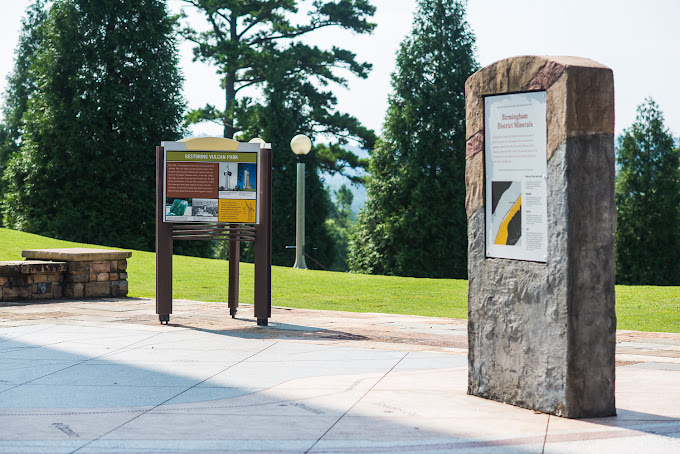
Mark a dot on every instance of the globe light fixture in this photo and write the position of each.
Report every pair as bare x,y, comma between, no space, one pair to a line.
300,145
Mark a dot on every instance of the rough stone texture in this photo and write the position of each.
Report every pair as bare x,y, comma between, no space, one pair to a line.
94,289
474,183
119,288
91,273
505,76
78,277
591,273
30,279
75,254
36,267
101,267
37,278
541,335
75,290
99,277
474,145
580,99
517,322
79,267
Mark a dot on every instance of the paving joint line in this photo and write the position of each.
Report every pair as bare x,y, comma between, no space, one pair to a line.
355,403
170,398
545,437
78,363
5,339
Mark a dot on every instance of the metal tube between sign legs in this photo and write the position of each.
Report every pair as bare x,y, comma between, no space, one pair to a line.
234,258
163,247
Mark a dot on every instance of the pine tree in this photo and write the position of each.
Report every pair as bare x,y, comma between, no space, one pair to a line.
283,114
414,223
247,39
255,44
20,85
108,93
647,202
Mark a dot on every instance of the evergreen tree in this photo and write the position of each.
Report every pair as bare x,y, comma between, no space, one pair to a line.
647,202
20,86
246,39
283,114
414,222
108,92
341,225
255,43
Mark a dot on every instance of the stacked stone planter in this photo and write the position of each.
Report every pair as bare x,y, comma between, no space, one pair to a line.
31,279
71,273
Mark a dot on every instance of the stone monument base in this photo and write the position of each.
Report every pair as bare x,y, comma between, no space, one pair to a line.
542,333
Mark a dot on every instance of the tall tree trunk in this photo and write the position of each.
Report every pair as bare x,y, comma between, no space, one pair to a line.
230,92
230,84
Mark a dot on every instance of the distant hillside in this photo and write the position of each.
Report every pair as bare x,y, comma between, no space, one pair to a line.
335,181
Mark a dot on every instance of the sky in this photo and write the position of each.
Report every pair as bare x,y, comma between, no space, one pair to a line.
638,40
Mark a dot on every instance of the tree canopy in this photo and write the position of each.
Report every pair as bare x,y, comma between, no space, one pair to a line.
245,40
108,90
647,202
20,84
414,222
258,44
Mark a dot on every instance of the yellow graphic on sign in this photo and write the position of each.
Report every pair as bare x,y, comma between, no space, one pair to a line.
231,210
503,232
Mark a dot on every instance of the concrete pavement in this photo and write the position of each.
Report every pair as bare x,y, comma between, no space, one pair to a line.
103,376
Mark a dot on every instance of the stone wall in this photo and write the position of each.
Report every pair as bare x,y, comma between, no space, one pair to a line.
31,279
70,273
88,279
541,335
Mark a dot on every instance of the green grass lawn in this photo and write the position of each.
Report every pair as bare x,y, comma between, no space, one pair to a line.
643,308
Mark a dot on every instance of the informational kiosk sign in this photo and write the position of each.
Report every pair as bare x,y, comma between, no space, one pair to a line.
210,189
211,186
515,140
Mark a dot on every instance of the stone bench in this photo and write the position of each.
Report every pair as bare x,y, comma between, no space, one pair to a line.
69,272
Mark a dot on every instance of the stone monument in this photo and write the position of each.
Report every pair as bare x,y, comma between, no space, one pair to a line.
541,215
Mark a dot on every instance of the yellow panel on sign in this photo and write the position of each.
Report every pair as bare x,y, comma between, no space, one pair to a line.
231,210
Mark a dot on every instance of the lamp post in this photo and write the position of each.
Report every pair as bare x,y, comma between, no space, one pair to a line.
300,145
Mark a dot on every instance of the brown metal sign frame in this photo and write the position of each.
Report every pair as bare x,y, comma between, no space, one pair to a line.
260,234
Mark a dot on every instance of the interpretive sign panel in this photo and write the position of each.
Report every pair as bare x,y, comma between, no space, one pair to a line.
211,186
515,142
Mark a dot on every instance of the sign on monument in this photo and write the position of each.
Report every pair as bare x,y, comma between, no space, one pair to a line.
515,138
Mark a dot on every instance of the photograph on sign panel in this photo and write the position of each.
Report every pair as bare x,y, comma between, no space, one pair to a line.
506,212
247,177
205,208
228,176
178,207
